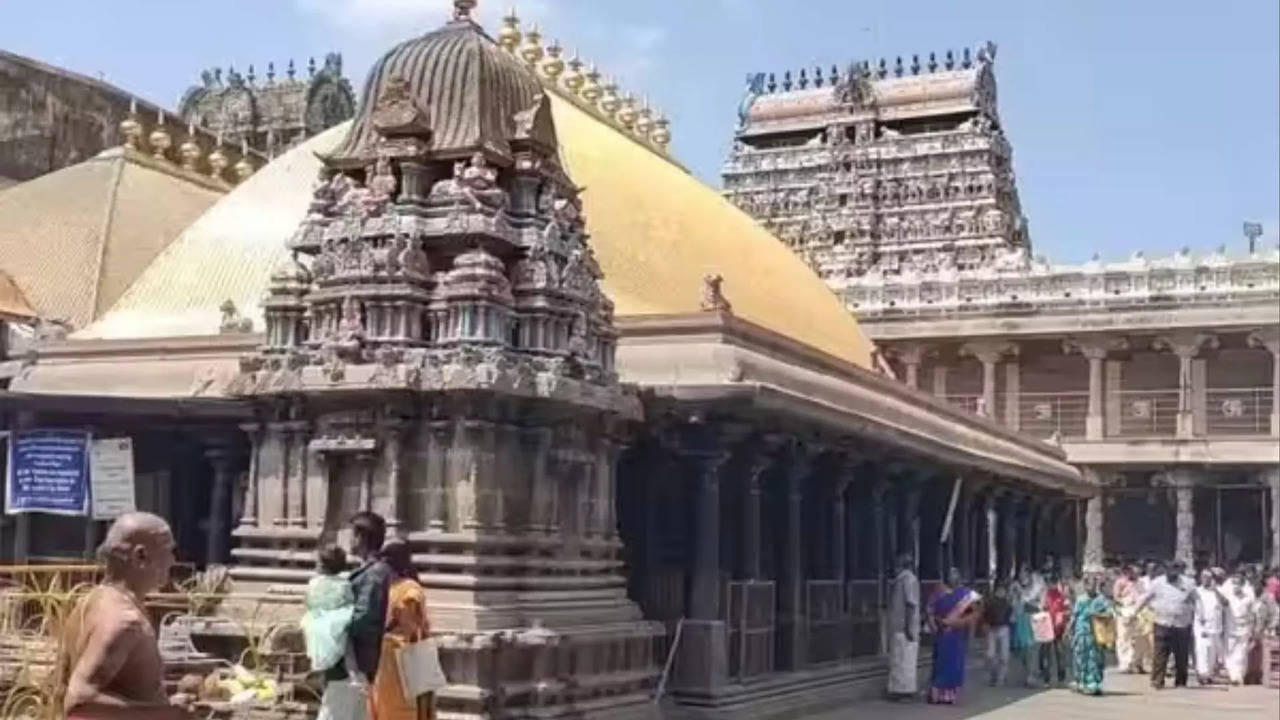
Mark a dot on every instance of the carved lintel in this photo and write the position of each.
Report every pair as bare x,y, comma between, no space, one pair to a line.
988,351
1268,338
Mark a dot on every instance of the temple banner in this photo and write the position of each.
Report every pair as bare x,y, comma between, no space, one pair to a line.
111,477
48,472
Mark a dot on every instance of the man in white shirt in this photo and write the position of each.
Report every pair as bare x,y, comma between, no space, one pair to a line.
1172,598
1207,627
1240,626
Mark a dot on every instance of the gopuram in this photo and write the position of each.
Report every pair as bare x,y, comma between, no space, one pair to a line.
1159,377
614,417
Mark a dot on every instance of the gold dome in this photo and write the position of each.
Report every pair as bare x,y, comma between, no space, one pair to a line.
655,229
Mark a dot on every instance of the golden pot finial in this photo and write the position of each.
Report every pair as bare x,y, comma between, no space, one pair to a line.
573,79
130,128
509,36
644,120
661,133
160,139
627,114
554,64
189,150
531,51
591,90
609,102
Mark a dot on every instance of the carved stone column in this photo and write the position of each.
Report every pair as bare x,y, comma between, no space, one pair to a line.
839,529
912,355
791,574
1272,478
537,442
704,658
993,545
989,353
1186,345
1093,530
940,381
1269,338
910,523
751,525
1095,349
1009,553
1185,519
436,510
877,539
218,530
393,429
1013,394
250,516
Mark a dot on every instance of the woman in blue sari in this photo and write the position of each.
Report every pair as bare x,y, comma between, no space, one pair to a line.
952,612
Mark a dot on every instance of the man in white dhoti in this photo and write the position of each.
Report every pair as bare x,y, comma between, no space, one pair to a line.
904,631
1207,627
1240,627
1125,593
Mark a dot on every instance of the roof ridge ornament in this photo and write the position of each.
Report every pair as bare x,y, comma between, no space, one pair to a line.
462,10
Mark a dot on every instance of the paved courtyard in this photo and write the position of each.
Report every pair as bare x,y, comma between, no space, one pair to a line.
1129,697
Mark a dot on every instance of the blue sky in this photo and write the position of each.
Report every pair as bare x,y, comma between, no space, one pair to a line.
1135,123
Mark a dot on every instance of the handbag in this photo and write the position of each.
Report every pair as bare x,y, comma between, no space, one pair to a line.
420,671
1042,627
1104,630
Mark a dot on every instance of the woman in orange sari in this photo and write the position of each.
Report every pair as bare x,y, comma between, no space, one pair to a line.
406,624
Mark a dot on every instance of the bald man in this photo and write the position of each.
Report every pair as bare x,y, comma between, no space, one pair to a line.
109,657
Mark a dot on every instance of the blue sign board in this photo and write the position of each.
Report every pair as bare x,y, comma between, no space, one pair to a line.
48,472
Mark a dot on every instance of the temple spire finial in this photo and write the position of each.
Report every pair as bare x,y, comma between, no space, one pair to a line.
462,9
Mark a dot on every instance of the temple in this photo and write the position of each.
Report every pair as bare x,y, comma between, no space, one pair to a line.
1158,377
615,418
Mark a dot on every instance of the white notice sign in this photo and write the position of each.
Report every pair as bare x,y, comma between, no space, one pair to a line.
111,477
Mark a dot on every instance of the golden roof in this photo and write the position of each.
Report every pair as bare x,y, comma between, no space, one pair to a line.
656,231
74,239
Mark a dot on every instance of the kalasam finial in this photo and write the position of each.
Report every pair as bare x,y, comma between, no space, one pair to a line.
462,9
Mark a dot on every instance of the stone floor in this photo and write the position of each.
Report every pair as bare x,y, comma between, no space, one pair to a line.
1128,697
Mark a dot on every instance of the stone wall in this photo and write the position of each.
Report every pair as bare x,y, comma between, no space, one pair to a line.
51,118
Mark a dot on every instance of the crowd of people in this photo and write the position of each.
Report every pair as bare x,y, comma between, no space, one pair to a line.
359,627
1065,630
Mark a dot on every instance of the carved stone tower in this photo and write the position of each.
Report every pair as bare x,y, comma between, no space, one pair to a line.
881,171
438,350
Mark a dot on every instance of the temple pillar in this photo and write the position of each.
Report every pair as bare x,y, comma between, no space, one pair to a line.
435,497
839,529
1009,549
791,610
910,524
1272,478
703,661
1184,520
1269,338
989,353
1013,394
877,538
1095,350
1113,370
992,538
218,530
1027,515
1093,529
393,430
912,355
751,522
249,517
1186,345
961,534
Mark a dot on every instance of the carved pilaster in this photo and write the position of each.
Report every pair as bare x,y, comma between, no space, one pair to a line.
1184,519
1271,476
436,500
250,504
751,519
537,442
393,430
1095,349
1187,346
297,435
